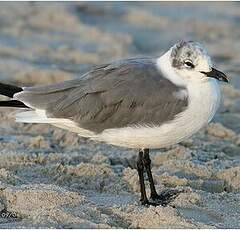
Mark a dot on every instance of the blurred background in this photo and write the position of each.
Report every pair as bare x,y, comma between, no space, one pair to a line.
53,178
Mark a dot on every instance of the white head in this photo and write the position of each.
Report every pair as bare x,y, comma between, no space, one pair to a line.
191,62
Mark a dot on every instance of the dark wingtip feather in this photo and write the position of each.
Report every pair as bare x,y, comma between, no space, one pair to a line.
9,90
13,103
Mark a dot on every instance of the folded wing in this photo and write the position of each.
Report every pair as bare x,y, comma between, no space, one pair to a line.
120,94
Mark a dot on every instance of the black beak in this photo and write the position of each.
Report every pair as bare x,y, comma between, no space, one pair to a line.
217,75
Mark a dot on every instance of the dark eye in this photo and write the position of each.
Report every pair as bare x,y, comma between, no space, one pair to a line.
189,64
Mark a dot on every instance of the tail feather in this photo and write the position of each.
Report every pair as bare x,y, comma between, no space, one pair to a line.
9,90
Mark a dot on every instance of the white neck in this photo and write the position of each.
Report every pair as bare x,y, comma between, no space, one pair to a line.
165,67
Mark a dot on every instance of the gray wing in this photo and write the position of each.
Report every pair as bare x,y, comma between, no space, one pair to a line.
120,94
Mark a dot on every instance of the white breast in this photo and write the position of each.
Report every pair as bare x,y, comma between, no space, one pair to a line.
204,99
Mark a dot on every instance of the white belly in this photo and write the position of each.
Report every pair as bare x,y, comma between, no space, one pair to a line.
204,99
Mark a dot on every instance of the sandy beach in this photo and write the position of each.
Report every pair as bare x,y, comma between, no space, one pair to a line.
50,178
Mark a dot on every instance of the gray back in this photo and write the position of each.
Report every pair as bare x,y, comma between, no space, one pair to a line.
119,94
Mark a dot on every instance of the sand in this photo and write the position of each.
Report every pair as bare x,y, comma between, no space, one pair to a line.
52,178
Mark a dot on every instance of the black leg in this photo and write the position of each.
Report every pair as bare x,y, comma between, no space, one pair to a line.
147,165
166,196
140,169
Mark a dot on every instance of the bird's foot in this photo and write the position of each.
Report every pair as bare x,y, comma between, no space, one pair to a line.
165,197
148,203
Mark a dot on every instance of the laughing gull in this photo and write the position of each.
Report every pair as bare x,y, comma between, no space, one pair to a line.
142,103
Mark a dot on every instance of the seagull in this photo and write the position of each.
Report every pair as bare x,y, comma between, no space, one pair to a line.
141,103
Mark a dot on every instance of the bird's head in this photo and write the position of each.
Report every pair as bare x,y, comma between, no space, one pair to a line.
190,60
